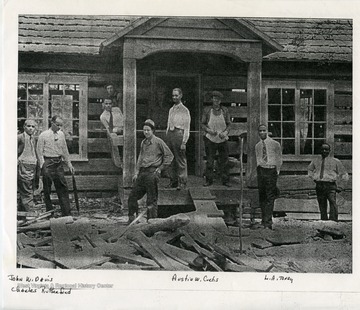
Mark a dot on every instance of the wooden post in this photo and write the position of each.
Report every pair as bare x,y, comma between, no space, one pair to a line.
129,95
254,110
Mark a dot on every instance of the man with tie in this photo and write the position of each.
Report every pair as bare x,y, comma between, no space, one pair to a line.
28,172
269,161
330,176
112,118
178,132
52,151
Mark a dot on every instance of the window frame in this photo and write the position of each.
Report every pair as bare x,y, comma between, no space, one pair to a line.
82,80
298,85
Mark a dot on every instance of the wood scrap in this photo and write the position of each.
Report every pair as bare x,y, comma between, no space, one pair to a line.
159,257
37,226
40,217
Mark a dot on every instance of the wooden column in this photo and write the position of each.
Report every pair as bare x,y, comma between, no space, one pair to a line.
129,104
254,111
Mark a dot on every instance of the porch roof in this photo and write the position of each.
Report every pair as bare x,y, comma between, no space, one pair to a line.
302,39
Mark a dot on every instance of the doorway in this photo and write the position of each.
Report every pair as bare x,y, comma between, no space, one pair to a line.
162,85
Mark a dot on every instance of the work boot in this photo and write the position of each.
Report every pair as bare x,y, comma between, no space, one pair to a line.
171,185
208,183
181,186
131,219
152,212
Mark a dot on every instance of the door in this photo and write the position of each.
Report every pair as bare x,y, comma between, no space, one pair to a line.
162,86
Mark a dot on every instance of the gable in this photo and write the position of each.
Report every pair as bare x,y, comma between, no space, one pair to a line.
194,28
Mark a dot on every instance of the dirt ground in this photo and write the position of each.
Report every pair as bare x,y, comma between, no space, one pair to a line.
304,249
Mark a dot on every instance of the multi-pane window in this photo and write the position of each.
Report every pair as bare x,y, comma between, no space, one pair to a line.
41,97
297,118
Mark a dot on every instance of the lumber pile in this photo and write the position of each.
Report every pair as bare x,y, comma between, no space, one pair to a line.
182,242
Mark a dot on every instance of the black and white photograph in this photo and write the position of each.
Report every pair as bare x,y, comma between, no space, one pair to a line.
193,147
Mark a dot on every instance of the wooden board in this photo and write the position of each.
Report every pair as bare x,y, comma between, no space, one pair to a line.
200,193
307,205
315,217
64,250
208,207
158,256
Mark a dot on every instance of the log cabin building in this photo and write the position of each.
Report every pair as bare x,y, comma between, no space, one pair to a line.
293,74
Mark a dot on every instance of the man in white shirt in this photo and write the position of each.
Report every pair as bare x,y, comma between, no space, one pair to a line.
269,160
52,151
112,118
330,176
178,131
28,177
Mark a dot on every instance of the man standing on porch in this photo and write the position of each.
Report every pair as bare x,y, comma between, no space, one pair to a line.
269,161
154,156
178,132
52,151
114,95
216,122
330,176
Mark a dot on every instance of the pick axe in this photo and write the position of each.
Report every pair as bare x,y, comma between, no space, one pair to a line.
75,194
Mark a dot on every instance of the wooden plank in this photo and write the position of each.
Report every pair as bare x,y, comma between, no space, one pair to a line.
200,193
104,165
343,129
193,23
193,32
45,255
224,82
35,263
343,148
308,205
96,126
94,182
240,112
343,86
343,100
315,217
160,258
343,117
169,197
236,129
176,253
65,254
208,207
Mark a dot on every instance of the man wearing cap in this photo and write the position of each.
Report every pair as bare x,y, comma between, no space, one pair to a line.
154,156
114,95
177,133
28,171
330,177
269,161
216,122
53,151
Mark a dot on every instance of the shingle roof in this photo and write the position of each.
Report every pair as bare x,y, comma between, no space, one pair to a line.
308,39
303,39
67,34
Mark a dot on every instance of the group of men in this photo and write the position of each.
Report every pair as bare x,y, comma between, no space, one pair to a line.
50,152
327,172
46,157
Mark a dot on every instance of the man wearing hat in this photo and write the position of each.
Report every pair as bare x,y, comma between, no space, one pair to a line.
154,156
215,122
28,166
114,95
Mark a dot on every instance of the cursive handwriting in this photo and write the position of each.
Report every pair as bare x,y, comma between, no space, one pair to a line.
278,278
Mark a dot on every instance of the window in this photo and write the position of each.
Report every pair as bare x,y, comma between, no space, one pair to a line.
297,116
41,97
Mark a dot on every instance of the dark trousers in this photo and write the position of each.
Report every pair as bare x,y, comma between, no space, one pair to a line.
53,172
25,184
267,179
178,167
326,191
146,183
223,159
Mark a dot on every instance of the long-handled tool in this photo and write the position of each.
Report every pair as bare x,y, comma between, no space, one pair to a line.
132,223
75,194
